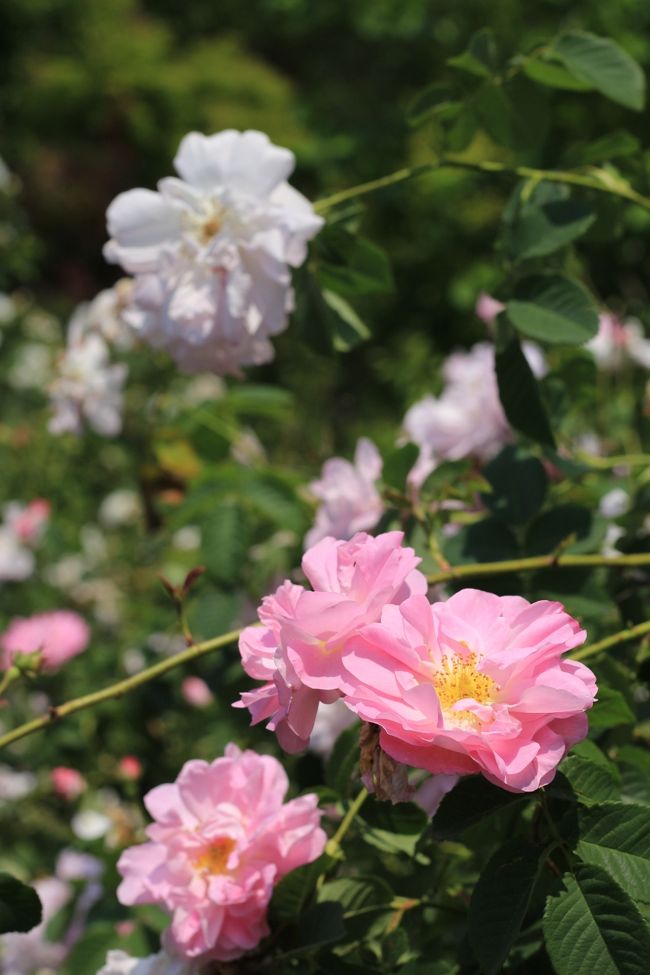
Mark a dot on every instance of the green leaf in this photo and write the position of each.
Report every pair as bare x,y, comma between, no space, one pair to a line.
553,75
481,56
590,782
433,99
89,953
351,265
256,399
542,229
346,328
519,393
518,483
601,63
397,465
555,526
553,308
467,804
593,928
321,925
225,541
610,146
484,541
405,818
20,906
500,902
634,765
324,319
292,893
610,710
343,762
616,836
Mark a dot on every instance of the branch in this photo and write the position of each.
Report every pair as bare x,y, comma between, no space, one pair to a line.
623,636
118,689
552,561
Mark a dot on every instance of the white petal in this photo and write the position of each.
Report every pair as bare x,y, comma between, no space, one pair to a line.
245,161
140,222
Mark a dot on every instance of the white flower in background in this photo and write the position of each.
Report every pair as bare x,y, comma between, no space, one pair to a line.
187,539
104,316
119,963
88,387
331,720
32,367
350,501
31,953
211,251
73,865
615,503
8,309
467,419
90,825
15,785
619,343
121,507
21,530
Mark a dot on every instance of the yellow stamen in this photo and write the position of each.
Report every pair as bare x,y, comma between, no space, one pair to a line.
214,858
458,678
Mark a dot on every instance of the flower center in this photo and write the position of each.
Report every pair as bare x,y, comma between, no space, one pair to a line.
214,857
211,227
457,679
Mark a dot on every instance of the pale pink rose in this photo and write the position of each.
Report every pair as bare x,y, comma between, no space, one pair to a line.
67,782
299,648
474,684
130,767
196,692
331,721
222,838
350,501
619,343
28,521
59,635
487,308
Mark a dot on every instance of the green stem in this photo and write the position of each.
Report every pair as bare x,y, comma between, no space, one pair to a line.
118,689
539,562
615,460
597,180
623,636
334,844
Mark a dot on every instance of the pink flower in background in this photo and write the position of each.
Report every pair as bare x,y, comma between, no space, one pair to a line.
299,649
474,684
59,635
130,767
467,419
211,251
433,790
196,692
67,782
350,501
21,530
487,308
619,343
222,837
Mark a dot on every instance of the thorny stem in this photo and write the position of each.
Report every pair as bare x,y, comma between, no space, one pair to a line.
623,636
552,561
593,178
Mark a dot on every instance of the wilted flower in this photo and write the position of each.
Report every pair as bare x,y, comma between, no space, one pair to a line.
222,838
350,501
59,636
299,648
88,387
211,251
619,343
474,684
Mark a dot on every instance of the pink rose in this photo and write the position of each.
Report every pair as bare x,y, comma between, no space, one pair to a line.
130,768
28,521
67,782
299,649
59,635
222,838
475,684
196,692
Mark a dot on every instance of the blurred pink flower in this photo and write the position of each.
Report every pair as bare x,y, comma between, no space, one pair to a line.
196,692
300,647
433,790
130,767
28,521
67,782
222,838
21,530
59,635
474,684
487,308
619,343
350,501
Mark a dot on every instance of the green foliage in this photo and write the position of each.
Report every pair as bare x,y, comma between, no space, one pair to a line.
20,906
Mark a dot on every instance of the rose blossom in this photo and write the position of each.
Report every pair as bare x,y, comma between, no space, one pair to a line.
298,650
619,343
104,316
467,419
59,635
211,251
350,501
196,692
222,838
67,782
474,684
130,767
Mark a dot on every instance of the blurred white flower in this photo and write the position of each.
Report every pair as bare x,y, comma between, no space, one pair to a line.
90,824
73,865
619,343
203,389
104,316
32,367
88,387
21,530
467,419
133,660
331,720
66,573
119,963
16,561
350,501
32,953
187,539
15,785
615,503
121,507
8,309
211,251
248,449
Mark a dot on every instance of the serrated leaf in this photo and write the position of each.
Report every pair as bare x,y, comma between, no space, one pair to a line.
601,63
225,541
591,782
20,906
593,928
467,804
553,308
634,765
519,393
293,892
500,902
616,836
610,710
355,893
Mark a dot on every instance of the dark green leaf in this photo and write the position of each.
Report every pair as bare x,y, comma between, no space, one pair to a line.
553,308
590,782
293,892
343,762
519,393
481,57
518,483
611,146
467,804
321,925
542,229
351,265
225,541
430,101
610,710
553,75
616,836
397,465
601,63
346,328
405,818
500,902
484,541
554,527
593,928
634,764
20,905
